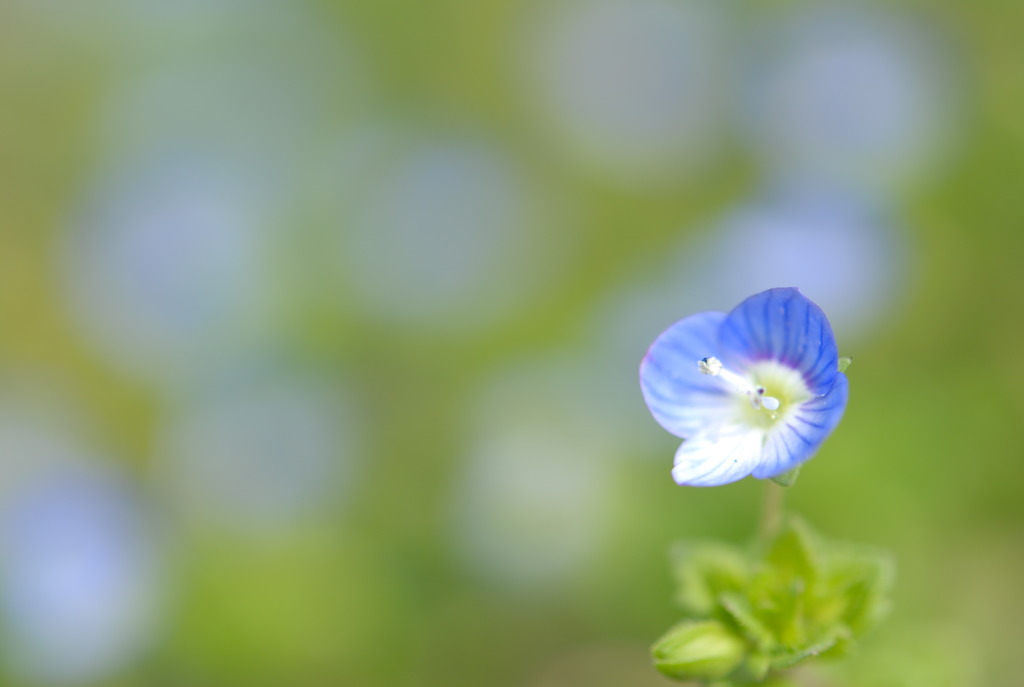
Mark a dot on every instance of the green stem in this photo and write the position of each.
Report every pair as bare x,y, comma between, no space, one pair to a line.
771,510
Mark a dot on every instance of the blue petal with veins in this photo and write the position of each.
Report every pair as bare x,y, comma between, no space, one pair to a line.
752,392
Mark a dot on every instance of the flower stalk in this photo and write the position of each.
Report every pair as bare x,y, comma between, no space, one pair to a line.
772,505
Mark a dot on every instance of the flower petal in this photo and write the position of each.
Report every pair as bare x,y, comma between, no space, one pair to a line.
718,455
795,440
682,399
783,325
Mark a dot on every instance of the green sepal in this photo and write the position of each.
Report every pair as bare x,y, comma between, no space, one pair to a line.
844,363
698,650
788,478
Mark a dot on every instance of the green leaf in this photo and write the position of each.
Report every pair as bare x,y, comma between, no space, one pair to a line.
756,667
863,580
791,658
753,612
698,650
795,553
792,619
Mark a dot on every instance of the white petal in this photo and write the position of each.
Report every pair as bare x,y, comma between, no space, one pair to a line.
718,455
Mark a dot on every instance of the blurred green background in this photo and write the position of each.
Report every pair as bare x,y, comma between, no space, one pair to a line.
321,323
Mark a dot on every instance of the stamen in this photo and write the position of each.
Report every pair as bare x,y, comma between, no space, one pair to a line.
713,366
710,366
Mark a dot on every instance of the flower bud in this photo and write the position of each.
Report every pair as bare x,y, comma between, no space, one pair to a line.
701,650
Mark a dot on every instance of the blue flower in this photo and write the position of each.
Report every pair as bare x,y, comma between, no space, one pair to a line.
754,392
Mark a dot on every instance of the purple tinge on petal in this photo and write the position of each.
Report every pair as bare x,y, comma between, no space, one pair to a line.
798,437
783,325
682,399
718,455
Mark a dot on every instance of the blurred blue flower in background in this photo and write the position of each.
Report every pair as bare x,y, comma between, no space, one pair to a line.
753,392
852,94
257,453
635,90
81,561
255,86
848,254
168,262
183,241
434,231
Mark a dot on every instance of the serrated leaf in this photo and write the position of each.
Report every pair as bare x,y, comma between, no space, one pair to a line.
867,598
794,553
739,610
703,571
857,589
791,658
791,629
756,667
844,643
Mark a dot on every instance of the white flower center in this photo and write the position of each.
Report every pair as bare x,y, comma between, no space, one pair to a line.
768,388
